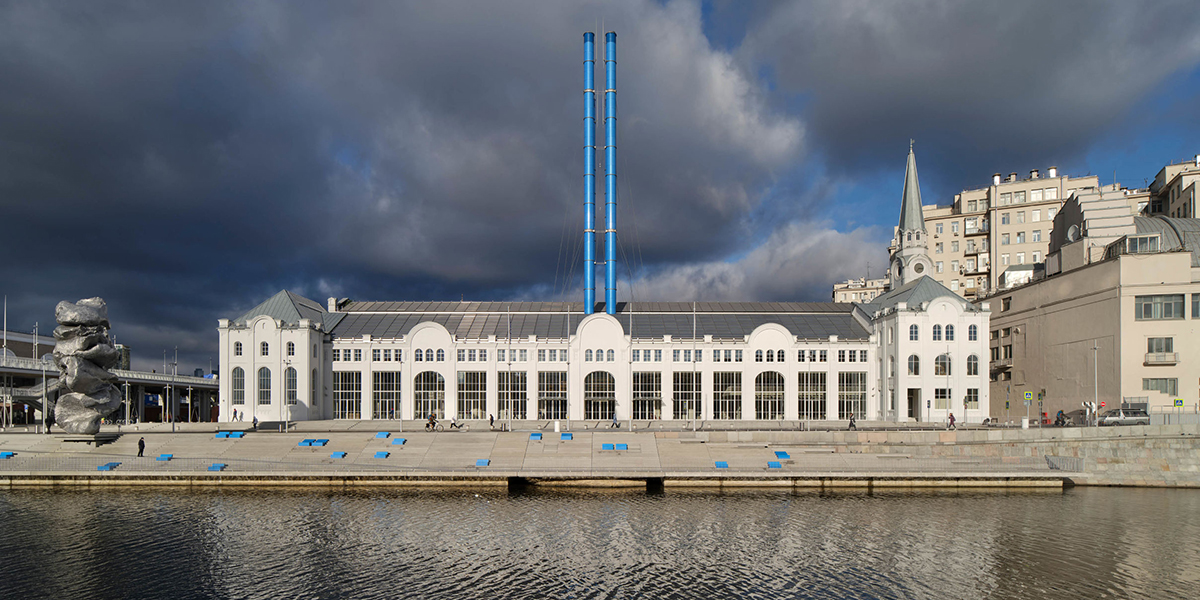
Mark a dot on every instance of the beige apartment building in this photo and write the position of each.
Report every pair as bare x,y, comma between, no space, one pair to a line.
987,230
859,290
1173,192
1116,319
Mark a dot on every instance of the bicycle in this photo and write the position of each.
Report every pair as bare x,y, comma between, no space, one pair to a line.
439,427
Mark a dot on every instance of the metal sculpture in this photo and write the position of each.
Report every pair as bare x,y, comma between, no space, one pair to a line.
84,353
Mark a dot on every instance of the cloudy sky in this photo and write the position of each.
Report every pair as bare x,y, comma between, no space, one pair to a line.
185,160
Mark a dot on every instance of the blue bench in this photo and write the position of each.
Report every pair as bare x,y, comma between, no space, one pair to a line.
382,454
567,436
483,462
622,446
535,437
399,441
338,455
165,457
4,455
720,464
108,466
383,434
232,434
306,442
607,447
217,467
772,464
222,435
782,454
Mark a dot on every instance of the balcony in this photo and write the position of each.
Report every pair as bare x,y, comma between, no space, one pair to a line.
970,231
1001,364
1162,358
973,250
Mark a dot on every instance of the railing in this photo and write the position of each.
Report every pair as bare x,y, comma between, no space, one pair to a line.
1162,358
35,364
977,230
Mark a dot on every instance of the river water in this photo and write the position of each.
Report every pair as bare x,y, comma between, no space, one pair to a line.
494,543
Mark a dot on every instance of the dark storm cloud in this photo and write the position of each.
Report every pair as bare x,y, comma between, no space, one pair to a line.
983,86
186,160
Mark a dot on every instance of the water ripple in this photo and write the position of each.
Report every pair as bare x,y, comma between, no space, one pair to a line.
384,543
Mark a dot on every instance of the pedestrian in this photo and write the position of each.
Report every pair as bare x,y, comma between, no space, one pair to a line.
951,420
491,421
852,425
615,423
141,446
256,422
235,414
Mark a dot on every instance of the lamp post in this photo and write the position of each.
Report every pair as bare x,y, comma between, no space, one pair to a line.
1095,384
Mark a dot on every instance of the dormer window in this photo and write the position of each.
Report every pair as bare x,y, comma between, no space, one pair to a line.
1142,244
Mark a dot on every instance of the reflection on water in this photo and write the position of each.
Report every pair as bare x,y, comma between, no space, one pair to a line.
385,543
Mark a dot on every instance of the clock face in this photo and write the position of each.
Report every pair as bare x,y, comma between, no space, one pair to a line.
919,268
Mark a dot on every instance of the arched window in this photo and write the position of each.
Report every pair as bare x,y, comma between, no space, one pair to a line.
892,366
779,356
429,395
418,355
441,355
972,365
599,356
937,333
587,356
599,396
612,356
291,349
912,333
758,356
264,349
941,365
949,333
237,348
768,396
972,333
289,385
264,386
910,236
239,386
914,365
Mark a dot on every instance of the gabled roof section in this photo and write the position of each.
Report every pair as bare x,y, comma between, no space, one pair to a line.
911,216
914,293
287,307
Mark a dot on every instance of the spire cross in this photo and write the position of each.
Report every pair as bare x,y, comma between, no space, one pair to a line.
910,144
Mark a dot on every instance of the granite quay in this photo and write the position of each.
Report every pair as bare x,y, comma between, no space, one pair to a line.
593,454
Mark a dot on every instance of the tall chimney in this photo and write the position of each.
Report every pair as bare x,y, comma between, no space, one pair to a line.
589,173
610,173
996,179
1052,172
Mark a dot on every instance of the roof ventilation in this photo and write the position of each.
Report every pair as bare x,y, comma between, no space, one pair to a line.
996,179
1012,177
1034,174
1053,171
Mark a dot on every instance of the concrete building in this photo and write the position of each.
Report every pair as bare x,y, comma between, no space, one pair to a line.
859,290
1116,317
985,231
1173,192
931,339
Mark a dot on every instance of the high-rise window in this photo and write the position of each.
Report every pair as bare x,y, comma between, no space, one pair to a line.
239,386
812,396
347,395
264,386
1159,307
513,394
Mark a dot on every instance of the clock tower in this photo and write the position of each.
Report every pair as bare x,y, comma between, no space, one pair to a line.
909,251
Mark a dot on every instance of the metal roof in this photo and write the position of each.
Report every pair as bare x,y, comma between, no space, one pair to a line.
287,307
648,320
914,293
1174,234
911,216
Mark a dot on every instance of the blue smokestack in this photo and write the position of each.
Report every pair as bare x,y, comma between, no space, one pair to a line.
589,173
610,172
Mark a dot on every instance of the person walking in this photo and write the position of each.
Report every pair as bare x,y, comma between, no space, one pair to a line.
491,421
615,423
256,422
141,446
852,425
951,420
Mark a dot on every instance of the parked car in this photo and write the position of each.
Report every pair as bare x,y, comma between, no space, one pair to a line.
1121,416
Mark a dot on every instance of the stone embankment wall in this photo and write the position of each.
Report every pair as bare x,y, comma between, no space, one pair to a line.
1156,455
